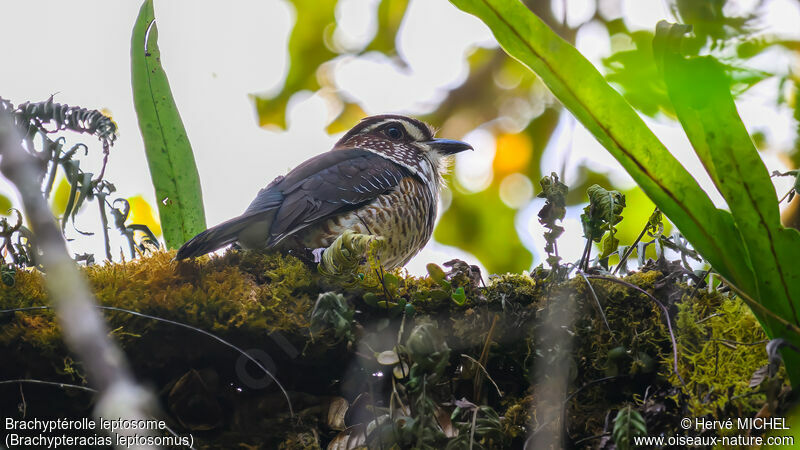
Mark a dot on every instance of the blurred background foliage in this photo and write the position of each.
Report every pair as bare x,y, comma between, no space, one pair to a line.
503,98
520,131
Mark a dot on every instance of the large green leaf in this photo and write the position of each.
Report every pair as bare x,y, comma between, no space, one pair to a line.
603,111
635,73
169,153
698,88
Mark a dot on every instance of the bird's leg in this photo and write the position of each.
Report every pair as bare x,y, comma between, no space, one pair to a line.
382,278
345,254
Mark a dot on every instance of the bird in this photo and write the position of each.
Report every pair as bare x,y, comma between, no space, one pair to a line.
382,179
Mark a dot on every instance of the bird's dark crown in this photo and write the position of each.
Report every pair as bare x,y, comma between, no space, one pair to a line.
386,126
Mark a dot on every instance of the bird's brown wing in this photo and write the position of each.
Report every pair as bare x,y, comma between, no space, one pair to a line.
325,185
329,184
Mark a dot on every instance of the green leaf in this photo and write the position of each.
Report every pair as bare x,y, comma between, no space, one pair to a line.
699,91
602,213
635,72
608,246
458,296
436,273
371,299
391,283
627,424
169,154
8,274
603,111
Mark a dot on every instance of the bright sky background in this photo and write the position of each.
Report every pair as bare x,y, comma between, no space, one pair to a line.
216,56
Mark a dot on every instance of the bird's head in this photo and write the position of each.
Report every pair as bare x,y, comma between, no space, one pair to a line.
406,141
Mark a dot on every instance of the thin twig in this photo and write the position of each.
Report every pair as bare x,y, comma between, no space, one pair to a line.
104,223
666,317
709,317
697,285
735,343
631,247
591,383
477,383
499,393
50,383
599,306
587,253
591,438
375,412
381,278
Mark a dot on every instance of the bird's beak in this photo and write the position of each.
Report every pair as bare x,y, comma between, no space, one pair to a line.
449,146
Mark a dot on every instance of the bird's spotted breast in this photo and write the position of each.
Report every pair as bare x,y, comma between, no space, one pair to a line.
404,217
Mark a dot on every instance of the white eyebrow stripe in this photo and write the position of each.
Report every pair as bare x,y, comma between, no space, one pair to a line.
413,131
376,125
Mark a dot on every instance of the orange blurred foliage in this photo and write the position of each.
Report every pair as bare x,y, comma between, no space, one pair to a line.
512,153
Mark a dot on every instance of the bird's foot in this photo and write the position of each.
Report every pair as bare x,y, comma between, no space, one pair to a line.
317,254
343,257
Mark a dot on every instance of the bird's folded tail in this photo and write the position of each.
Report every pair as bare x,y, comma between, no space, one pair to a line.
214,238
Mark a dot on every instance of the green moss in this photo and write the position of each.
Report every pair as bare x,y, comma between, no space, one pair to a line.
516,322
240,290
244,291
35,329
512,288
636,324
720,347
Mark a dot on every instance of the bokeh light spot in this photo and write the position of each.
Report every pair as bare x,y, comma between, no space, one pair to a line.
516,190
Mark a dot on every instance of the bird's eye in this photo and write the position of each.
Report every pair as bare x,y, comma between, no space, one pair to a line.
394,133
